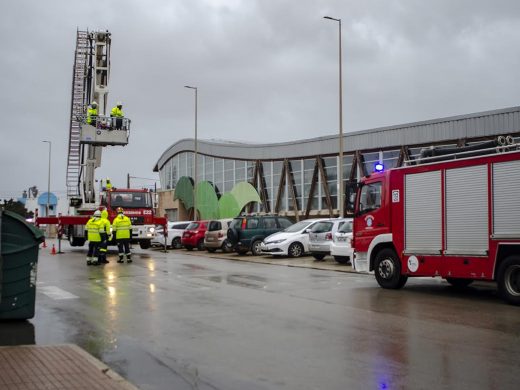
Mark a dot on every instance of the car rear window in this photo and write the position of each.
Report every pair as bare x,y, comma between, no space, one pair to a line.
179,226
193,226
214,225
252,223
346,227
322,227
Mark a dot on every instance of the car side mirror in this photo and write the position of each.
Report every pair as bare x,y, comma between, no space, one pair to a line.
307,231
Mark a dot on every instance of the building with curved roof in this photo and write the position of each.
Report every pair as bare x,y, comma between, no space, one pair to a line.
299,178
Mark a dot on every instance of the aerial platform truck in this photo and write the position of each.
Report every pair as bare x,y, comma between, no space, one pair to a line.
454,214
87,139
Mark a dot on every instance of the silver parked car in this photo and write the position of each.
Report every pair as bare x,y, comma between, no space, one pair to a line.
216,236
321,234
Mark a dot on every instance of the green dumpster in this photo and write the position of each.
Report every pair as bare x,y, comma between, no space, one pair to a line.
19,243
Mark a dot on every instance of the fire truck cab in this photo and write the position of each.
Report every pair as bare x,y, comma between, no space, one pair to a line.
458,220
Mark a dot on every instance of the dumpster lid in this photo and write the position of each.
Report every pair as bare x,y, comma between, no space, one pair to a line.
37,233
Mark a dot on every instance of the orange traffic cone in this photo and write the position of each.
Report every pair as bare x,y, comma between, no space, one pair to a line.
44,244
53,250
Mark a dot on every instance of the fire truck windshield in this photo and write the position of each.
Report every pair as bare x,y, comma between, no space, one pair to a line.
130,200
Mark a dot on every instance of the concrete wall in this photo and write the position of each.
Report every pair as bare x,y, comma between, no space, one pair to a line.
166,203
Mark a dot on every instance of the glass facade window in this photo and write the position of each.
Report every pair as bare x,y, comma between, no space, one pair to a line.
371,159
390,158
308,173
331,169
296,168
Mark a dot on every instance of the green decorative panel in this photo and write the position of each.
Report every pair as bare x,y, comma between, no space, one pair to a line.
228,206
184,191
207,201
245,193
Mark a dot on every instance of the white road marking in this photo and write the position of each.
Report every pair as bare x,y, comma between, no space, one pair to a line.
55,292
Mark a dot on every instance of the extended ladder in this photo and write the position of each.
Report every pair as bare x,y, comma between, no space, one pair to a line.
76,111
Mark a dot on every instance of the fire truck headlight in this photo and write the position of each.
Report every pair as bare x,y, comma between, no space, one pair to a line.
151,229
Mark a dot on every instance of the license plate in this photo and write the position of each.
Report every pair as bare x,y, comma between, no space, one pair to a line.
209,239
342,238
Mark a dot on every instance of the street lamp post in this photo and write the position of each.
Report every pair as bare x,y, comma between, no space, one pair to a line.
196,157
49,178
340,167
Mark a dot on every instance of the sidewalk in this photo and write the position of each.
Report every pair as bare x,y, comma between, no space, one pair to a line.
55,367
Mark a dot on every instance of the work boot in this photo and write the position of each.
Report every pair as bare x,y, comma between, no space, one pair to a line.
89,262
120,259
128,258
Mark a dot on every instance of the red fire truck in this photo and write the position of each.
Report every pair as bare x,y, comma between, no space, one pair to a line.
457,219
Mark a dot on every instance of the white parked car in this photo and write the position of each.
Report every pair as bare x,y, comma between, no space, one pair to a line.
341,246
292,241
175,230
320,236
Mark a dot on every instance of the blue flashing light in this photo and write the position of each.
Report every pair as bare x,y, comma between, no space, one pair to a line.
379,167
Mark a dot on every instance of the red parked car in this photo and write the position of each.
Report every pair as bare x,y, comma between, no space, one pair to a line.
193,236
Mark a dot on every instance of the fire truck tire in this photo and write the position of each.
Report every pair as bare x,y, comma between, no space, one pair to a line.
387,269
459,282
145,244
509,280
76,241
176,243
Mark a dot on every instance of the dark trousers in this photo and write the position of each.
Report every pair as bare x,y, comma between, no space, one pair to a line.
123,245
93,249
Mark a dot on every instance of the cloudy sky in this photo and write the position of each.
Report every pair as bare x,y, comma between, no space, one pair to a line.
267,71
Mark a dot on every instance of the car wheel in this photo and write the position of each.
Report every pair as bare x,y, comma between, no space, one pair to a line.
459,282
188,247
200,245
509,280
342,259
232,235
227,246
295,250
387,269
211,250
255,248
318,256
176,243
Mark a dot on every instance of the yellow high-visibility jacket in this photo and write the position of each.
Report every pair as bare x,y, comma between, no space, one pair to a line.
117,112
94,228
91,115
122,226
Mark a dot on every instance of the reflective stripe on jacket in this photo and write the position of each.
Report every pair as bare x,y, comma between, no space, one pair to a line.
117,112
93,227
122,226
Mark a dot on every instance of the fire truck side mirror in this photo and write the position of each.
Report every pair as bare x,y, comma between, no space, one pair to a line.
351,192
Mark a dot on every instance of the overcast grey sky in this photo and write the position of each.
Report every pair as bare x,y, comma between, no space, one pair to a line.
267,71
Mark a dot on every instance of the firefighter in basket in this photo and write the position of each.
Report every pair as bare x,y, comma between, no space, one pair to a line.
123,230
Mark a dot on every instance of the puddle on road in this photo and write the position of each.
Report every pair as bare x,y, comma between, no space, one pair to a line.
249,281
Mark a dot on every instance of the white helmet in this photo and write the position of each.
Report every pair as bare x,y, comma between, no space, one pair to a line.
97,213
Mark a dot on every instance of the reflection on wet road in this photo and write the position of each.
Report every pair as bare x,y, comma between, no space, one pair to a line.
178,321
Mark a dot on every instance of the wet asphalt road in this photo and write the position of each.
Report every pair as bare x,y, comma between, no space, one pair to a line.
182,321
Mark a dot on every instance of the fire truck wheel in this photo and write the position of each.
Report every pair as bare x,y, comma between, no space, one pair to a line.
76,241
459,282
387,269
145,244
176,243
509,280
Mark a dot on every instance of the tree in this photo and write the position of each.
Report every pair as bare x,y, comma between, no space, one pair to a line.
16,207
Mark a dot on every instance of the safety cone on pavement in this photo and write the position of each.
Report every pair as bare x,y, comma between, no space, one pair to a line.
44,244
53,250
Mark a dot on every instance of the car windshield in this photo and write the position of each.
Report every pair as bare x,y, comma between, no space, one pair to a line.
346,227
297,227
322,227
128,200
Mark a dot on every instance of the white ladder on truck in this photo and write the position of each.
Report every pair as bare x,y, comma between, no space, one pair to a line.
76,112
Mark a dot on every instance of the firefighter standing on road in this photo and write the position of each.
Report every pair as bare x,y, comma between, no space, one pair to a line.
118,114
123,231
105,237
93,227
